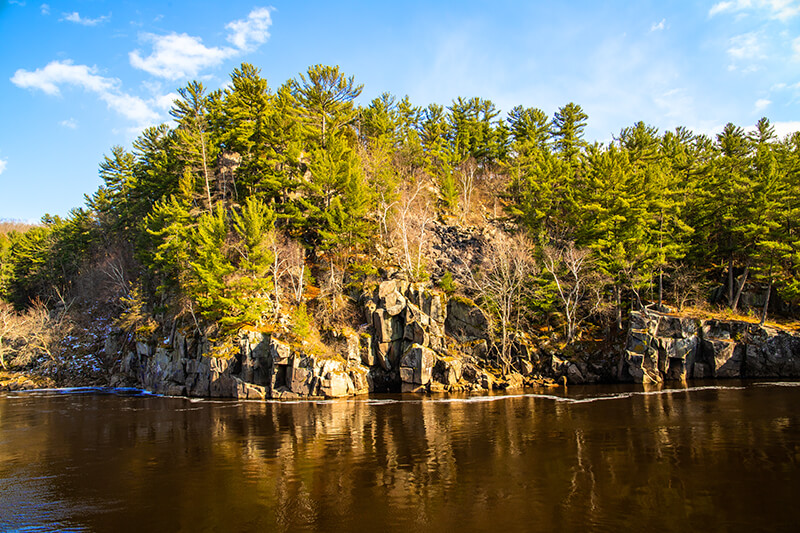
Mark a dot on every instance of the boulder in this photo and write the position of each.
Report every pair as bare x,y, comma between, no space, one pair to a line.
387,328
300,381
352,347
143,349
367,353
452,368
772,354
432,306
676,327
280,352
334,385
418,362
574,375
466,321
394,303
725,357
415,333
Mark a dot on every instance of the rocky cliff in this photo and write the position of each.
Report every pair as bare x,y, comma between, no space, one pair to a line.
413,339
662,347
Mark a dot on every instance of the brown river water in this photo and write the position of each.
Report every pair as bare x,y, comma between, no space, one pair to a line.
723,456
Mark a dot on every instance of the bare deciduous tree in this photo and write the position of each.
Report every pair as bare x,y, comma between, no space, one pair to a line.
36,332
502,280
288,270
7,319
466,181
578,286
410,221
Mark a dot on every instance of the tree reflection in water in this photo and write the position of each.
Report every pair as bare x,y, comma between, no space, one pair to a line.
615,459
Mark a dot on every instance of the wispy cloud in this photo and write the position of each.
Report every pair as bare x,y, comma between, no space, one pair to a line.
3,163
762,104
250,33
177,56
77,19
45,9
782,10
796,49
722,7
70,123
659,26
58,73
745,51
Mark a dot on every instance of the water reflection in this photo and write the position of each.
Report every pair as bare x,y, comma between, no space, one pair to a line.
610,459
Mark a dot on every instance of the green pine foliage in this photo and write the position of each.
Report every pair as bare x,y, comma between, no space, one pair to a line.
206,202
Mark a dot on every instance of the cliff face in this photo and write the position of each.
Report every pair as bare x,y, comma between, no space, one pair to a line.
417,340
413,339
664,347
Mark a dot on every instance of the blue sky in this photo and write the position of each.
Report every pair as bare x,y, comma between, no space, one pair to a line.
78,77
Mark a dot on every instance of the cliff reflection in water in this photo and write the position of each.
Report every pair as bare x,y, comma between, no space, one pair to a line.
715,458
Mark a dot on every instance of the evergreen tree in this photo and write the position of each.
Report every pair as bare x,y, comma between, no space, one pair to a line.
567,130
193,142
325,100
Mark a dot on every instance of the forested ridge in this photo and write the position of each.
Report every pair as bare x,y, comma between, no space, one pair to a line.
274,207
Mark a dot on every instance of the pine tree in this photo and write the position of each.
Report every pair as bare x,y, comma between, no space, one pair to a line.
567,130
193,142
325,101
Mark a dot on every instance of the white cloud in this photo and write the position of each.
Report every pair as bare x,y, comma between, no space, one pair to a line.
77,19
746,51
3,163
248,34
165,101
796,49
178,56
45,9
658,26
783,9
745,46
775,9
70,123
48,79
57,73
722,7
762,104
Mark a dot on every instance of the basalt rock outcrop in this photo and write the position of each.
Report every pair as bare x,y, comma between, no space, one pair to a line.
262,367
425,341
413,339
662,347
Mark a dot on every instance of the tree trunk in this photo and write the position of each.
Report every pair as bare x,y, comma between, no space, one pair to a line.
766,298
661,260
739,289
205,170
730,281
618,301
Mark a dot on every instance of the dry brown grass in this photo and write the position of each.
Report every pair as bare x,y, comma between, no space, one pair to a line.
709,313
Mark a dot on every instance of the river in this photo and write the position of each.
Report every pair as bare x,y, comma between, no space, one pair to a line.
723,456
